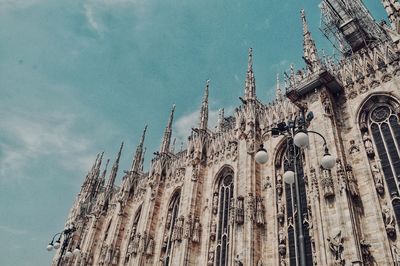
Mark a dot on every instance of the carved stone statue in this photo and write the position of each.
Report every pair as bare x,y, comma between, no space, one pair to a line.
213,229
109,256
150,246
196,230
188,227
250,207
260,262
389,221
281,211
282,242
210,260
142,244
169,217
279,184
129,251
336,248
237,261
378,179
165,240
369,148
135,246
240,210
103,255
195,172
178,229
353,147
366,253
352,182
215,203
260,219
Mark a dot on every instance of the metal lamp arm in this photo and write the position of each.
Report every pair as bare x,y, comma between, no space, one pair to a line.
319,134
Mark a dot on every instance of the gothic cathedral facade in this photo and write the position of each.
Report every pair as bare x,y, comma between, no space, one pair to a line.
212,204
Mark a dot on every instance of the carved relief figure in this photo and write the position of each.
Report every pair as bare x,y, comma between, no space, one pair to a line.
352,182
150,246
250,207
188,227
116,256
281,211
279,184
210,260
196,230
369,148
215,203
336,248
213,229
366,253
378,179
239,211
353,147
135,246
327,183
389,221
178,229
260,219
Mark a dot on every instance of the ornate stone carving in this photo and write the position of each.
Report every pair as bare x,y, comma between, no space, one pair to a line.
279,185
143,243
389,220
281,212
260,219
336,247
396,254
213,230
327,183
250,207
369,148
240,210
178,229
352,182
354,148
210,260
215,203
115,258
130,249
135,245
188,227
366,253
196,230
195,172
378,179
282,242
237,261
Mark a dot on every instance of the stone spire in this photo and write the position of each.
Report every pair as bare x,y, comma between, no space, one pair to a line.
167,133
392,8
220,122
278,92
204,108
142,165
250,83
102,179
138,158
310,51
114,170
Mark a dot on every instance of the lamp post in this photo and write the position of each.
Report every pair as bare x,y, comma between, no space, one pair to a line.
296,134
67,233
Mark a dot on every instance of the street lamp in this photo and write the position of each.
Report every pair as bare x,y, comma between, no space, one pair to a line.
67,233
296,134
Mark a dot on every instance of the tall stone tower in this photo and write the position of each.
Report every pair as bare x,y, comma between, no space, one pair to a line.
212,204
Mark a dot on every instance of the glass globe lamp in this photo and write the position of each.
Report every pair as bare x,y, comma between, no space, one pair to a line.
68,254
261,156
301,139
328,161
57,244
49,247
76,251
288,177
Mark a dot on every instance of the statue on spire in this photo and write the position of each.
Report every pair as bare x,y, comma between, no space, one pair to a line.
278,92
204,108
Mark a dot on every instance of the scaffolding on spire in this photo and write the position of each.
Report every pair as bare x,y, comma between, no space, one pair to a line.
349,26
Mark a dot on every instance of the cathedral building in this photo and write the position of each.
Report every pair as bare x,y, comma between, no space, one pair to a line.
214,204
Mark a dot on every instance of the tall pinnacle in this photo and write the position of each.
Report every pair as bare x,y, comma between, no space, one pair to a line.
278,92
250,84
138,158
310,51
220,122
114,170
204,107
167,133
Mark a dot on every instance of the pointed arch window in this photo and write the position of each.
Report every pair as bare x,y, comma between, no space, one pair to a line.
221,223
289,156
170,234
380,119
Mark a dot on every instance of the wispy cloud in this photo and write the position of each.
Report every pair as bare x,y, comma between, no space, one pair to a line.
26,136
13,231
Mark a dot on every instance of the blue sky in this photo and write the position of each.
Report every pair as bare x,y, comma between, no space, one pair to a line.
78,77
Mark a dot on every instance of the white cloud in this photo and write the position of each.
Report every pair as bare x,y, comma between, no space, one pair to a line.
16,4
13,231
26,136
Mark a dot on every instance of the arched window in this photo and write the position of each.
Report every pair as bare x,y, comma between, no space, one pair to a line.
173,229
291,158
221,223
380,119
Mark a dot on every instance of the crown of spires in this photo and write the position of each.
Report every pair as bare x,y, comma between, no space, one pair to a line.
250,84
310,51
204,107
138,158
167,133
114,169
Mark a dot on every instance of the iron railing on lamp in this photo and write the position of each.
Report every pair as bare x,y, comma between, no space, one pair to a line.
296,134
67,235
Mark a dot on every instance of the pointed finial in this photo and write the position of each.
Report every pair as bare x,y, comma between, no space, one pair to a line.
114,169
250,60
220,123
142,163
167,133
310,55
138,157
250,84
